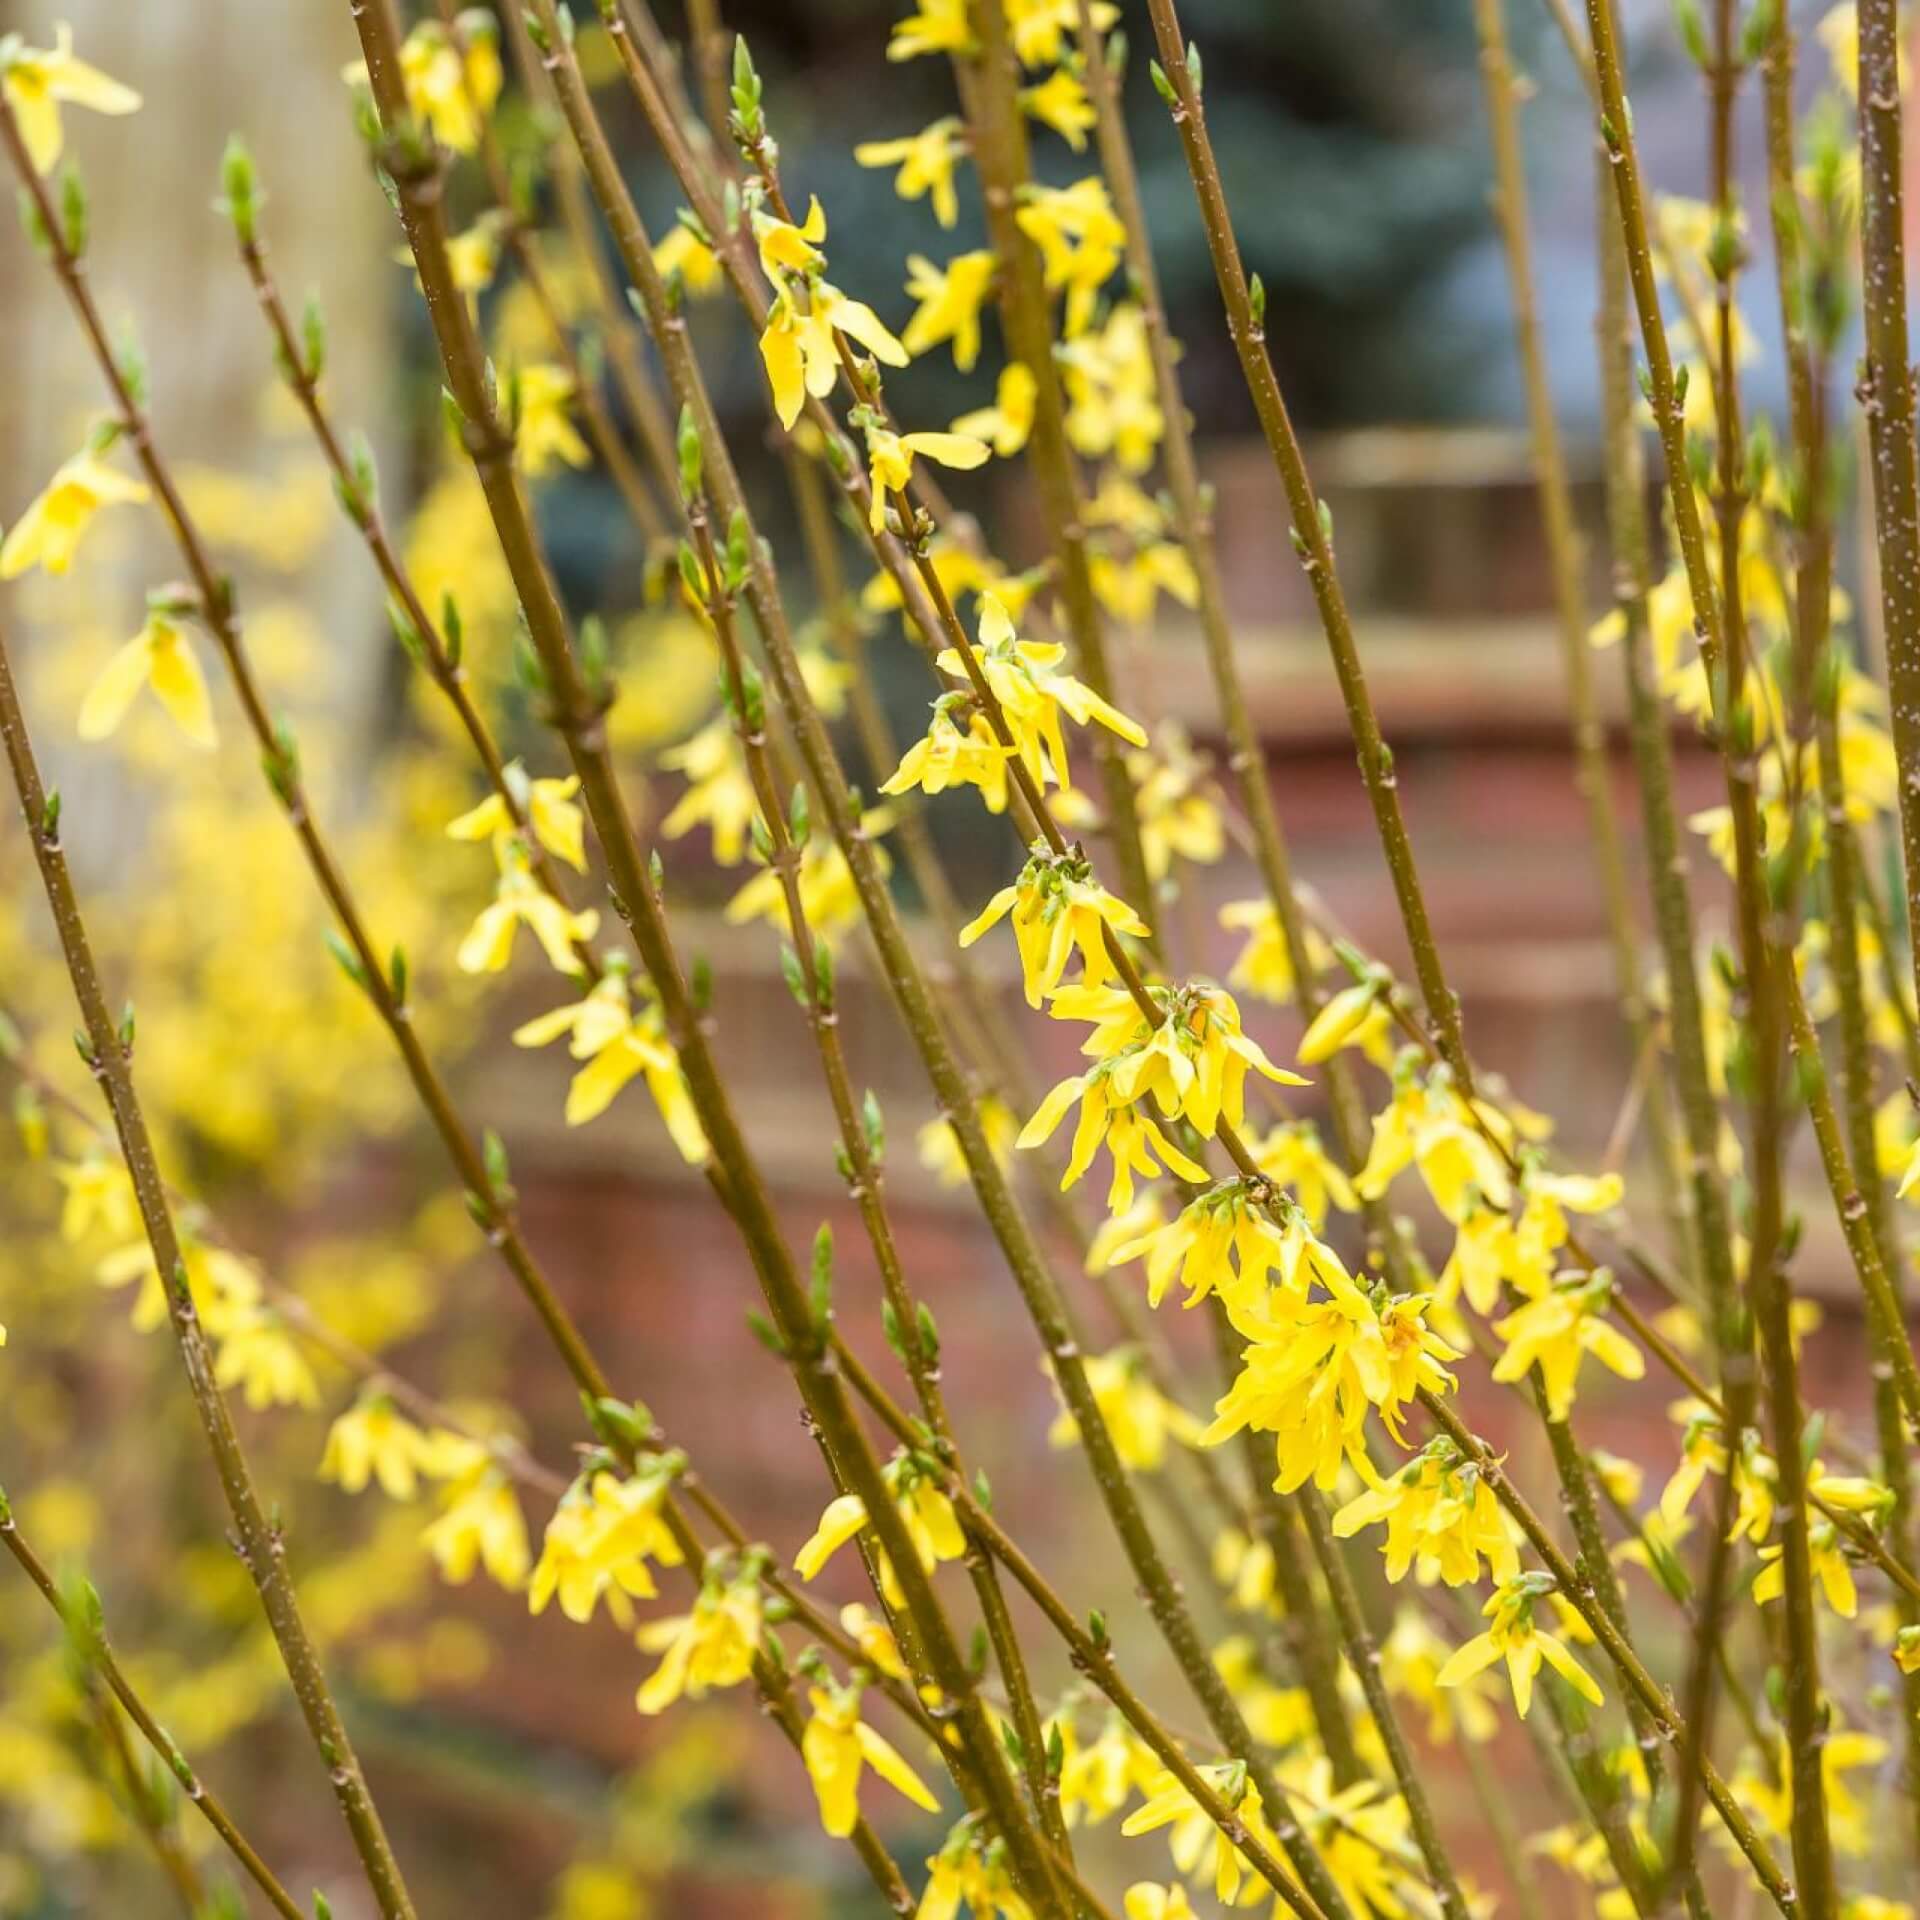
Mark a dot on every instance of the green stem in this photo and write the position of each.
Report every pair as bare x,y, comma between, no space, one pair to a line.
101,1655
258,1540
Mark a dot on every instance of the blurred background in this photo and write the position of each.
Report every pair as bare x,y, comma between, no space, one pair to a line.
506,1751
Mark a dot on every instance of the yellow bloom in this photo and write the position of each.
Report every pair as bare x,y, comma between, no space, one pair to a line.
1061,102
924,1510
373,1439
1097,1779
1145,1900
1514,1637
1430,1127
480,1524
939,1146
1058,910
519,899
48,533
1200,1850
1179,814
1441,1519
558,823
619,1042
1080,239
1411,1659
828,897
935,26
1557,1330
1338,1022
837,1747
875,1640
1265,965
682,251
950,299
713,1646
1043,31
1138,1416
450,89
600,1539
798,346
1006,424
1024,677
258,1355
38,82
1113,401
160,656
970,1872
926,161
543,435
1226,1241
1130,1136
890,459
1312,1368
99,1194
1292,1156
946,757
718,794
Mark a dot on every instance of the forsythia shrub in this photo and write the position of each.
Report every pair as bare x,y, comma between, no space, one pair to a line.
1774,1652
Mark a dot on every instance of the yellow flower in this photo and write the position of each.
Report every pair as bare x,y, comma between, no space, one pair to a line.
890,459
1113,404
520,899
49,531
1291,1156
37,82
1768,1789
1226,1241
603,1533
1061,102
945,757
258,1355
1411,1659
449,89
1338,1022
969,1871
1058,910
1441,1517
1192,1057
481,1523
828,897
558,824
373,1439
1080,240
713,1646
1312,1368
1145,1900
1043,30
950,298
1024,677
99,1194
1138,1416
1265,965
1179,815
799,351
718,791
1097,1779
838,1746
159,656
1006,424
1557,1330
939,1146
935,26
1514,1637
682,251
543,434
926,161
924,1510
1130,1136
875,1640
1200,1850
1431,1127
619,1042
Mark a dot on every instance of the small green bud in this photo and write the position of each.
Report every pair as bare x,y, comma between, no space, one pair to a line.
239,188
1161,84
1257,302
690,455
